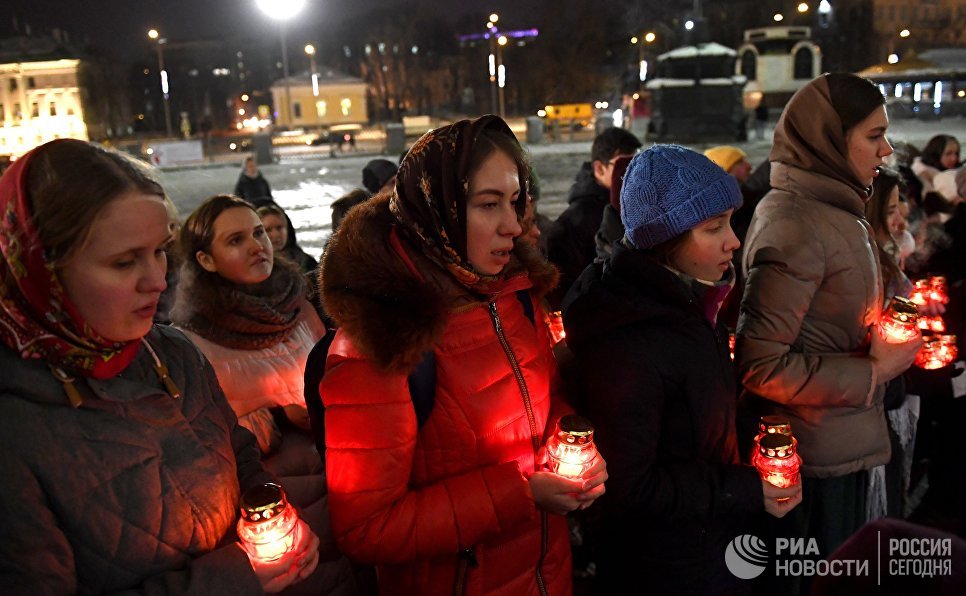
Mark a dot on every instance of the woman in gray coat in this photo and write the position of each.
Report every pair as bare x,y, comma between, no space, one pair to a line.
122,462
807,348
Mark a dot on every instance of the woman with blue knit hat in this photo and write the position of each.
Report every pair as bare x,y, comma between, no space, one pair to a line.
654,365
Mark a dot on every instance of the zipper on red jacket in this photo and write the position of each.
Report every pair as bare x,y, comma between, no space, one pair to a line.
515,365
498,325
467,559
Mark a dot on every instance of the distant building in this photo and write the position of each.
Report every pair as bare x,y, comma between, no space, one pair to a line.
930,24
334,99
49,90
777,62
696,96
931,84
39,95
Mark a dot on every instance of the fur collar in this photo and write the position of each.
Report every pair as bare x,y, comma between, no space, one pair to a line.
394,310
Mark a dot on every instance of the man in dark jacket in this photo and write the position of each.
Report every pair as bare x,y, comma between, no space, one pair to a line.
570,241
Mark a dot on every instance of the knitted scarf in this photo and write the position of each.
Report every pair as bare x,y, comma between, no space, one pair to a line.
242,317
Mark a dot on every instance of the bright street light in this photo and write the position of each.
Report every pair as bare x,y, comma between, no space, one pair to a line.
803,7
154,35
310,49
778,17
904,33
634,40
494,17
689,24
893,58
649,37
282,11
502,40
824,7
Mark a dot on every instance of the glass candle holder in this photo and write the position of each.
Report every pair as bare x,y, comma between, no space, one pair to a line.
900,322
556,326
937,351
771,425
777,462
920,292
268,524
937,289
571,449
731,345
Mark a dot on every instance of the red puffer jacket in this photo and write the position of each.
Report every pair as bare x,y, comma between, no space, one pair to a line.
446,507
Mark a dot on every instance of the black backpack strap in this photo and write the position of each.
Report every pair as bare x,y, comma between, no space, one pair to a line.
314,371
422,387
527,302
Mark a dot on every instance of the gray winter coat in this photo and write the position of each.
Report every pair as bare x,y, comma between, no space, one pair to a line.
134,491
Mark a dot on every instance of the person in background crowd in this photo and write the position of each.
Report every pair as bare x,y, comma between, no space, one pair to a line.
611,230
122,461
902,411
654,365
761,119
951,184
163,315
251,185
379,175
248,314
806,348
570,241
732,160
277,224
458,501
941,153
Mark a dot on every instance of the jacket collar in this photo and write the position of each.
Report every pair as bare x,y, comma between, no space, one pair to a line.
393,302
818,187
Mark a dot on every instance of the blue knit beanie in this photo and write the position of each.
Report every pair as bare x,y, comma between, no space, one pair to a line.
668,190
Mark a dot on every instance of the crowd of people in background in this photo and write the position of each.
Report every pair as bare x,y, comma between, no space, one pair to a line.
402,391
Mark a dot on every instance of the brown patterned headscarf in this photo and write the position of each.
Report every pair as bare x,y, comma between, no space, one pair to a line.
429,200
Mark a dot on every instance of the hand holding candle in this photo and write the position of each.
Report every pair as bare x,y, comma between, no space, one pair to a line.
899,323
571,449
281,547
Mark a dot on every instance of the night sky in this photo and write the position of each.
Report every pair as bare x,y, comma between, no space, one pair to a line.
122,24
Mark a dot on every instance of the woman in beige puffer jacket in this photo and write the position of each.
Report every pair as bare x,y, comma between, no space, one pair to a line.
805,350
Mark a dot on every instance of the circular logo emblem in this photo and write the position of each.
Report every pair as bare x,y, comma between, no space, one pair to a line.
746,556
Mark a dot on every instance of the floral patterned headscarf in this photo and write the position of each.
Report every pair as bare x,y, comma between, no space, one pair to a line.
429,199
37,318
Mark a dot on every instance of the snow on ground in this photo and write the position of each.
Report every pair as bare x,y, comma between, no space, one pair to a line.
307,186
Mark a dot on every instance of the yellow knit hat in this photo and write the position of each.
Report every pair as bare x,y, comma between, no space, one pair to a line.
725,156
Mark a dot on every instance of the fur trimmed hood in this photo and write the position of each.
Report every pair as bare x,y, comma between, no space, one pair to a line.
393,302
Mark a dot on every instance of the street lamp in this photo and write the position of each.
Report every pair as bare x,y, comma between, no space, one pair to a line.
310,50
282,11
155,36
490,34
501,72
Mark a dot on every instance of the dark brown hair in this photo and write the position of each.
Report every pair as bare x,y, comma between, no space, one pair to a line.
853,98
877,214
932,153
198,230
69,182
488,142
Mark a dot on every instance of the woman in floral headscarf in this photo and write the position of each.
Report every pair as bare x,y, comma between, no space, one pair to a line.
458,503
122,462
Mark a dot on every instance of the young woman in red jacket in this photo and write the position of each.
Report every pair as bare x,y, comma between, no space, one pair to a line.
460,502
